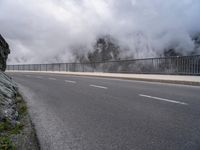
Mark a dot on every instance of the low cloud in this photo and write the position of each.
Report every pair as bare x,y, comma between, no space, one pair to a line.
41,31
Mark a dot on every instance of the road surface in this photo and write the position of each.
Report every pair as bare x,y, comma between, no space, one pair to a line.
88,113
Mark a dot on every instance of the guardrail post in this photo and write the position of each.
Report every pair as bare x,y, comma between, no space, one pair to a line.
67,67
83,67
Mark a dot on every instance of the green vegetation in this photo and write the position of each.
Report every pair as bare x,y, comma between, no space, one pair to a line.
7,129
5,126
6,144
21,106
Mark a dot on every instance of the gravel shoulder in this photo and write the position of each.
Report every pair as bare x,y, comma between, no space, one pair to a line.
26,139
16,128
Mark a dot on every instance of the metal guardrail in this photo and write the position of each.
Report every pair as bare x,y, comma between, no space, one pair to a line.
184,65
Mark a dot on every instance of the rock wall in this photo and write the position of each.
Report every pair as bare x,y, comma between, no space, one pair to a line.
8,91
4,51
8,88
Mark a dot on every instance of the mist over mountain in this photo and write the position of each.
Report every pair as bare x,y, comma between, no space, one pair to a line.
46,31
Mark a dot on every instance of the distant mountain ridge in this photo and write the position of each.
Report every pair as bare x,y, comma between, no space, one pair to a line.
106,48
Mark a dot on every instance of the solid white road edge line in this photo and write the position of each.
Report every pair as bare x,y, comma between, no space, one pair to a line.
97,86
163,99
52,78
68,81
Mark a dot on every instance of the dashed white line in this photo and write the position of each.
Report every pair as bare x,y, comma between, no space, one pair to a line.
163,99
97,86
27,76
52,78
68,81
39,77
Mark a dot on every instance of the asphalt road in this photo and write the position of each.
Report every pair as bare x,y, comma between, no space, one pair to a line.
85,113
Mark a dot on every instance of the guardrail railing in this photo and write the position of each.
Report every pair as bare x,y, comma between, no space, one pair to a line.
184,65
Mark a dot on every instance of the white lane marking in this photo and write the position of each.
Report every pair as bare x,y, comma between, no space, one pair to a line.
97,86
39,77
68,81
27,76
163,99
52,78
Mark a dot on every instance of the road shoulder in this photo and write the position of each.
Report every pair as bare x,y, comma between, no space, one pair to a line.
174,79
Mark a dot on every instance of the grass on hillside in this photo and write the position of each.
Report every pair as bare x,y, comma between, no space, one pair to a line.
7,129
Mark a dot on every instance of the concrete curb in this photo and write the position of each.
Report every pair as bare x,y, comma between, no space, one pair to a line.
174,79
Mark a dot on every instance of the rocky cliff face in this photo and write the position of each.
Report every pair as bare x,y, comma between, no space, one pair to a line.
8,88
4,51
105,49
8,91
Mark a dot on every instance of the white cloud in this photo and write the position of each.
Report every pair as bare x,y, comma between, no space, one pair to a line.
41,31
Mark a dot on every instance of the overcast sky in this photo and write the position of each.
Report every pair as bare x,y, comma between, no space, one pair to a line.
40,31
